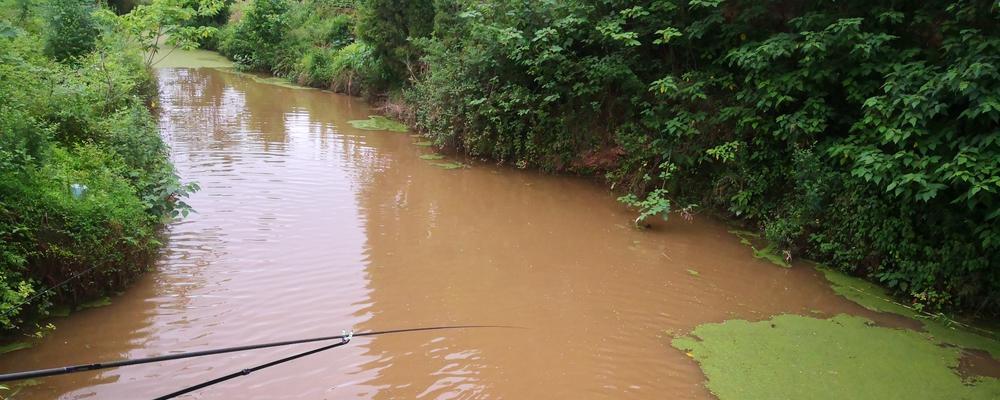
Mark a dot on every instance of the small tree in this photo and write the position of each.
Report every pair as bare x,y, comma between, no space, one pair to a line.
259,35
389,26
165,21
72,29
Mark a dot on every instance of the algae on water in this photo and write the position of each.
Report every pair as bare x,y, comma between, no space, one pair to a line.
768,253
266,80
865,293
101,302
172,57
844,357
876,298
744,236
438,157
449,165
378,123
15,388
15,346
278,81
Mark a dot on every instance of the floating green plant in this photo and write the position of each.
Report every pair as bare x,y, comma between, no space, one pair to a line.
266,80
877,298
449,165
431,157
15,346
768,253
277,81
16,387
865,293
378,123
693,272
172,57
101,302
423,143
844,357
745,236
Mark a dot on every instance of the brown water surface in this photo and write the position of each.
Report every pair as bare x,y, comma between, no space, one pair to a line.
307,226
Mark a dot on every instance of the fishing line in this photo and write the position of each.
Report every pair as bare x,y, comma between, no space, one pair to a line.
122,363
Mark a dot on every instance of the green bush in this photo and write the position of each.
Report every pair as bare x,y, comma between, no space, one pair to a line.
71,31
315,67
864,134
84,123
255,42
321,26
316,47
355,68
389,25
109,227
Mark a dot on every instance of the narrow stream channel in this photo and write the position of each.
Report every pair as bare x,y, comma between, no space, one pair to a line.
307,226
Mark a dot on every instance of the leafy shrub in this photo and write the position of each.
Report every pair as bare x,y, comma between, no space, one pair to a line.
311,43
83,123
332,28
655,202
862,134
315,67
71,31
316,47
256,40
107,227
354,68
388,26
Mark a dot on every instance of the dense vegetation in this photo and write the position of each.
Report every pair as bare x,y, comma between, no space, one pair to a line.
863,134
85,182
311,43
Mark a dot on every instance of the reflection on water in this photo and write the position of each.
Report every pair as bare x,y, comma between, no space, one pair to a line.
307,226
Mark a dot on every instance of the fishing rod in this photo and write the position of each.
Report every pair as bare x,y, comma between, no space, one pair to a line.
248,371
191,354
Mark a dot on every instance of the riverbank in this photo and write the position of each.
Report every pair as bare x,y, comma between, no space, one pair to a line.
811,170
85,183
318,212
973,362
845,217
371,234
798,198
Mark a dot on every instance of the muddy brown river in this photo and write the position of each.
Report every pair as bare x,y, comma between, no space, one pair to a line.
306,226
